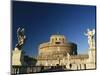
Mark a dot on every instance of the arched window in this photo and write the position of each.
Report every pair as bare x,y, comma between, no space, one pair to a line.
85,66
63,40
70,65
55,38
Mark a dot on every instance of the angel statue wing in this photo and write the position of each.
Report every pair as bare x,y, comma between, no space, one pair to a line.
86,34
22,31
93,31
18,31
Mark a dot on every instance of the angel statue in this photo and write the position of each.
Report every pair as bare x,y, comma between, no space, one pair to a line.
21,38
90,34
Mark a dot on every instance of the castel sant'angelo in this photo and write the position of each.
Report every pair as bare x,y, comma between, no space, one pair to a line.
59,51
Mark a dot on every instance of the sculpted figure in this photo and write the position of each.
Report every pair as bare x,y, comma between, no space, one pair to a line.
21,38
90,34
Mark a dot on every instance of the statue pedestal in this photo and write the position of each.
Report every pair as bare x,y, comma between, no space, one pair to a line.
17,57
92,55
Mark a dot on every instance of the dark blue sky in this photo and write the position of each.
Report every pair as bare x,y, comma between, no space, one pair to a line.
41,20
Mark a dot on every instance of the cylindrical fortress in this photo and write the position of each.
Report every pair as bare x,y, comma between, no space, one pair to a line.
58,45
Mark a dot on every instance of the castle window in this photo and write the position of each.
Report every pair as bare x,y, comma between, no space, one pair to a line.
63,40
55,38
57,42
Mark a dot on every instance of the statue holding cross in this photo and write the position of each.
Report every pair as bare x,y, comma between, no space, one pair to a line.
90,34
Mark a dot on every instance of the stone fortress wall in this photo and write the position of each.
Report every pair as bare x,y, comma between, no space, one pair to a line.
60,51
57,44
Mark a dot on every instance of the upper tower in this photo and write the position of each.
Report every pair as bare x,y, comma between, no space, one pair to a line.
57,39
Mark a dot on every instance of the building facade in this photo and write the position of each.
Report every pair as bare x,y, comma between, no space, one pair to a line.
58,51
